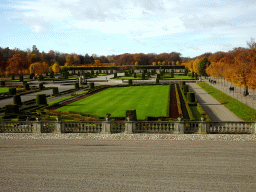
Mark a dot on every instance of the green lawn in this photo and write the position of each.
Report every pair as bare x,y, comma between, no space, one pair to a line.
147,100
238,108
177,77
4,89
126,78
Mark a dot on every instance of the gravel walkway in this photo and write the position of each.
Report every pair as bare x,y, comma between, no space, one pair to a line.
121,136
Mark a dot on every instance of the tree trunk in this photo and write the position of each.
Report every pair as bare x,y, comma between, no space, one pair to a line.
246,92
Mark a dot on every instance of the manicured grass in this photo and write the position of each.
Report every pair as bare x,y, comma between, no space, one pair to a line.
4,89
126,78
240,109
177,77
147,100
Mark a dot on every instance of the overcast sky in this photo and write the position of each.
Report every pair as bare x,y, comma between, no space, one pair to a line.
106,27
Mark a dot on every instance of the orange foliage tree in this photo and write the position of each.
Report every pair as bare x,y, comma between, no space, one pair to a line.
17,64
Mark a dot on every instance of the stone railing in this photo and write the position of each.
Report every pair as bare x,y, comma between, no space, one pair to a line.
163,127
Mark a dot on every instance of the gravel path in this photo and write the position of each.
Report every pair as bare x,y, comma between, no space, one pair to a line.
122,136
114,165
215,110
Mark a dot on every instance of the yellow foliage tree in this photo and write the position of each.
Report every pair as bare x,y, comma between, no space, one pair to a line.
56,68
195,65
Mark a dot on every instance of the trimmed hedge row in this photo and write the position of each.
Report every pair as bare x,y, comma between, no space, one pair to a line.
178,101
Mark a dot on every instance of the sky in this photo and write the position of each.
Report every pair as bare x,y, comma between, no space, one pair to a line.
107,27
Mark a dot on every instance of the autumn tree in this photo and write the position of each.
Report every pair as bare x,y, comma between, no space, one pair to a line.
202,65
17,64
56,68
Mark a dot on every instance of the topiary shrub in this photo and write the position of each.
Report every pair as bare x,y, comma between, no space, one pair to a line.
21,78
26,86
191,97
115,75
196,75
172,73
65,75
88,74
51,74
41,99
135,75
107,72
13,77
41,86
148,74
126,74
76,85
2,83
11,109
182,83
193,74
100,71
41,77
158,76
143,76
55,91
111,71
31,76
157,80
130,81
131,115
91,85
17,100
185,89
12,91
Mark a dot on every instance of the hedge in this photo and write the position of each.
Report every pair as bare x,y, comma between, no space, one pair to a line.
130,81
91,85
41,77
13,77
2,83
26,86
21,78
41,86
51,74
55,91
17,100
178,101
76,85
185,89
41,99
143,76
190,97
115,75
11,108
157,80
135,75
12,91
31,76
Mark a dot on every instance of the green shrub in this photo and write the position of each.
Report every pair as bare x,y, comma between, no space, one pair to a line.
130,81
97,73
148,74
21,78
143,76
25,82
186,72
88,74
41,99
17,100
92,72
12,91
115,75
126,74
185,88
157,80
196,75
192,74
131,113
41,77
2,83
13,77
158,76
172,73
31,76
135,75
190,97
26,86
41,86
65,75
11,109
111,71
91,85
55,91
100,71
51,74
78,74
107,72
76,85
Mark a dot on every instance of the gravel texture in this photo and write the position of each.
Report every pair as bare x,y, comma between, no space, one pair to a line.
121,136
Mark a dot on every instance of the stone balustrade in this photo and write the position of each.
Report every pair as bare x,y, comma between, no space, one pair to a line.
162,127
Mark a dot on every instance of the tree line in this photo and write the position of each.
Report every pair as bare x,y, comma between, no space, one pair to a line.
16,61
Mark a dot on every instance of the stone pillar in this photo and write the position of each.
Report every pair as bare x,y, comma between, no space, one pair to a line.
179,127
254,128
57,128
203,126
106,127
37,127
130,126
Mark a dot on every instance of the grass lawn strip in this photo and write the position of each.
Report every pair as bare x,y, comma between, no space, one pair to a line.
147,100
240,109
4,89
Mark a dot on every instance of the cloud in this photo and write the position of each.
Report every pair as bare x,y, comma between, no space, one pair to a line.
62,44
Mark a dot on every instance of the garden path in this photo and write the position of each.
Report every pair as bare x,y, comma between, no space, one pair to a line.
215,110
